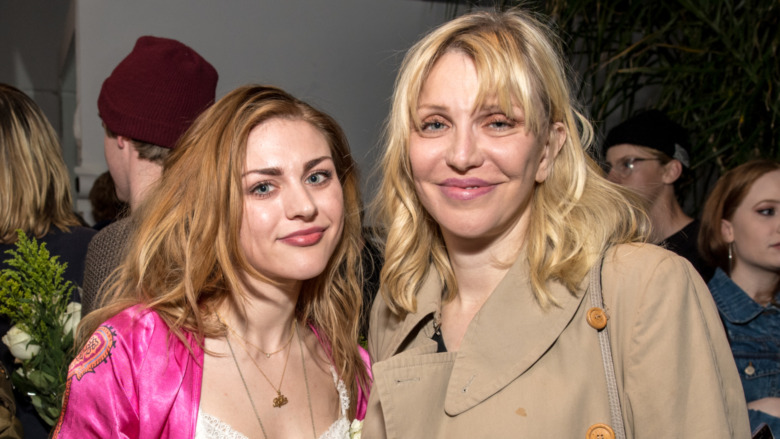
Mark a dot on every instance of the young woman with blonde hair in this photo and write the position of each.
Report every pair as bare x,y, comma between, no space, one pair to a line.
35,197
235,312
494,216
35,192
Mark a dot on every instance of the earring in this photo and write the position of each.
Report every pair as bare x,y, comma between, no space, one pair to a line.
731,257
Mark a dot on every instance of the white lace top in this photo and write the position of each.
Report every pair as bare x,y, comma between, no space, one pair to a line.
210,427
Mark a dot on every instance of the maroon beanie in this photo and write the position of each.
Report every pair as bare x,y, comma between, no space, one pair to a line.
157,91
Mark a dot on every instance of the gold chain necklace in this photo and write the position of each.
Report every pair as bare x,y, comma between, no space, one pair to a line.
306,380
280,399
267,354
249,394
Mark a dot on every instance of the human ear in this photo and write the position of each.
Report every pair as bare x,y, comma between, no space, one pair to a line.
727,230
555,140
672,171
123,142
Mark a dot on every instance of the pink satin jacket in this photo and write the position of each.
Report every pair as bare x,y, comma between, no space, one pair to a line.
133,379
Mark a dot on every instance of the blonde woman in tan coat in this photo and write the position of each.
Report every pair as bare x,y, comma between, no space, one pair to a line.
494,216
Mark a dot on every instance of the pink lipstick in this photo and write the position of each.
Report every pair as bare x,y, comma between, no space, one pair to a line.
464,189
304,237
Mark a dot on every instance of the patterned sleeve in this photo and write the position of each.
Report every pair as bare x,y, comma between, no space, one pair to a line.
99,400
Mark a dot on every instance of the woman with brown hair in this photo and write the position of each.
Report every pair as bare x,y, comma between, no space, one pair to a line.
235,312
740,234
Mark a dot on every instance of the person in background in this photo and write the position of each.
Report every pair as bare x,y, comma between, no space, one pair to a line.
740,235
236,309
495,215
106,207
147,103
10,426
648,154
35,196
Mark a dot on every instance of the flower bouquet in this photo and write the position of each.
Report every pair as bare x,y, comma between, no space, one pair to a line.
34,296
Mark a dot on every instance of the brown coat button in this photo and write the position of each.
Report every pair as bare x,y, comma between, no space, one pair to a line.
597,318
600,431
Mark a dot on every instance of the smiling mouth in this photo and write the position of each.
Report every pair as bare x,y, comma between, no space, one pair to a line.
465,189
305,237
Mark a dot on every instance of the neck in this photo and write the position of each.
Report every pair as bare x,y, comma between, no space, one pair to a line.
480,264
143,175
477,277
264,315
761,285
667,217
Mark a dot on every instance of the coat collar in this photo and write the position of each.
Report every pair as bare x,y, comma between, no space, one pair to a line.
505,338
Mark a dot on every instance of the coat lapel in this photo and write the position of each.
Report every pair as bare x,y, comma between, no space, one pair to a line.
412,381
506,337
405,330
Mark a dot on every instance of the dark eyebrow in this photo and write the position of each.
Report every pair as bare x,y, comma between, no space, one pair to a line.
275,172
312,163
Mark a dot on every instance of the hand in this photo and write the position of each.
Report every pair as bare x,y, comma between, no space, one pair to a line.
769,406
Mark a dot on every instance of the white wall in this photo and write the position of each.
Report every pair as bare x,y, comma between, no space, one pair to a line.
36,56
340,56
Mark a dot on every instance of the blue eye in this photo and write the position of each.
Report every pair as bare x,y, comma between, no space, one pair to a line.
435,125
501,122
318,177
262,188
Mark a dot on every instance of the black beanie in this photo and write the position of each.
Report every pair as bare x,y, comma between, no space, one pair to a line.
652,129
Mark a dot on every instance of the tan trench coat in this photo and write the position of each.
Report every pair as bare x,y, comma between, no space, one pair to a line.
523,372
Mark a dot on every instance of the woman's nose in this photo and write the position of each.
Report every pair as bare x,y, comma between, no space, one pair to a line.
300,203
464,153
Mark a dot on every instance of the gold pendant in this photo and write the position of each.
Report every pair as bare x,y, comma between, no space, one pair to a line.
280,399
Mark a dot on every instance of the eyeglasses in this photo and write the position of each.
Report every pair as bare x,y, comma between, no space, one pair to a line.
625,167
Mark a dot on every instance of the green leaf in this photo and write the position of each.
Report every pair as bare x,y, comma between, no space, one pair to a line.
34,296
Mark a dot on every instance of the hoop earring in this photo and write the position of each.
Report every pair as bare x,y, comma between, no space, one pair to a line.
731,257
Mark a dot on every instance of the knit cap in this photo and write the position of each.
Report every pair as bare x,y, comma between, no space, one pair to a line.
652,129
157,91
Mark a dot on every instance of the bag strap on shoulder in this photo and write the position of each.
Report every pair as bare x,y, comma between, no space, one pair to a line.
597,301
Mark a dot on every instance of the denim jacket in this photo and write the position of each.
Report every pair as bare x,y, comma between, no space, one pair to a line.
754,334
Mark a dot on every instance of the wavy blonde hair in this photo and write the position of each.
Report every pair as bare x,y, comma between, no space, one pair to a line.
575,214
34,182
185,258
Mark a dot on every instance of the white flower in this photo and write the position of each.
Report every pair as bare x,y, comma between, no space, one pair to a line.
71,317
17,340
355,429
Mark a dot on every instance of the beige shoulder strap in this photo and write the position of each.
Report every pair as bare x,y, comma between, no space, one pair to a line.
596,301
